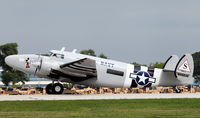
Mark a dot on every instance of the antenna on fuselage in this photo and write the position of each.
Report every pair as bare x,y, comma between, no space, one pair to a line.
63,49
74,51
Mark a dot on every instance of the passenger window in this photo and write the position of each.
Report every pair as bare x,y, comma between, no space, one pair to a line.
62,56
115,72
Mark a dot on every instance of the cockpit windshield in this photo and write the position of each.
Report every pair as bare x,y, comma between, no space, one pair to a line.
47,54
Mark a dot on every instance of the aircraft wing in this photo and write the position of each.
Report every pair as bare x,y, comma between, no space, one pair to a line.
79,70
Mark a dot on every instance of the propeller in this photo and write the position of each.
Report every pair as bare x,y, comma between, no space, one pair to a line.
39,65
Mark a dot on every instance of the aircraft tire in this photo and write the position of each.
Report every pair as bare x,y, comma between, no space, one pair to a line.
57,88
49,89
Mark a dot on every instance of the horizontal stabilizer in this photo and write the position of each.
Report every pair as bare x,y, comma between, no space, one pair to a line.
171,63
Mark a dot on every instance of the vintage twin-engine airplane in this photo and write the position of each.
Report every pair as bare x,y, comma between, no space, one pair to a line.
62,66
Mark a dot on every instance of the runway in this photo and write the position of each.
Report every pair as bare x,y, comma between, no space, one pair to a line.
97,96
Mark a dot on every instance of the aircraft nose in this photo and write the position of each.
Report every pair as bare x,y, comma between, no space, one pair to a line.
10,60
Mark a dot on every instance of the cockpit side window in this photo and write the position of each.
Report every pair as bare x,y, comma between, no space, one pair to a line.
60,56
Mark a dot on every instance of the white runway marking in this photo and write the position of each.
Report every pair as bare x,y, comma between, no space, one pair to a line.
97,96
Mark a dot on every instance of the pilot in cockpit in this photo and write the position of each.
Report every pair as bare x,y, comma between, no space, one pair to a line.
54,55
61,56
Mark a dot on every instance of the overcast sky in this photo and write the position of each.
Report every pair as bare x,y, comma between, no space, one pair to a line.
140,31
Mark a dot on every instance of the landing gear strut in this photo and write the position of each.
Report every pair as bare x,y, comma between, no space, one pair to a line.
56,88
178,90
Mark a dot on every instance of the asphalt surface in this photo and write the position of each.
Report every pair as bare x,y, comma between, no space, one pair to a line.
97,96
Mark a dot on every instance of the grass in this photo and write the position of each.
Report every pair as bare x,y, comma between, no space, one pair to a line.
101,108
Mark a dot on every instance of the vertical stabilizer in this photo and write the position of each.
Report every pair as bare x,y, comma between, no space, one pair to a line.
171,63
185,67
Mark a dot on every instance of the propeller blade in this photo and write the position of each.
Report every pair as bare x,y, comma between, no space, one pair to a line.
35,71
39,66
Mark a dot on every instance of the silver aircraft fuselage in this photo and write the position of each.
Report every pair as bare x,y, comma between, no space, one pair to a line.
95,72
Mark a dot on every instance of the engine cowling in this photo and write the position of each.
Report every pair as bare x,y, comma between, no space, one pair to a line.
46,66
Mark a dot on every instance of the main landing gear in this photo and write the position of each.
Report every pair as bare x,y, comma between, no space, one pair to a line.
56,88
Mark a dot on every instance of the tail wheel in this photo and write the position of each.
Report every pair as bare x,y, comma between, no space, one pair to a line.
57,88
49,89
178,90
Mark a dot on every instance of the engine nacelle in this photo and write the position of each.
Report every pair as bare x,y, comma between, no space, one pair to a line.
46,66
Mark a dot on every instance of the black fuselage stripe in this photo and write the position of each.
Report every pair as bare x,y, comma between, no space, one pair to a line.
137,68
151,71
